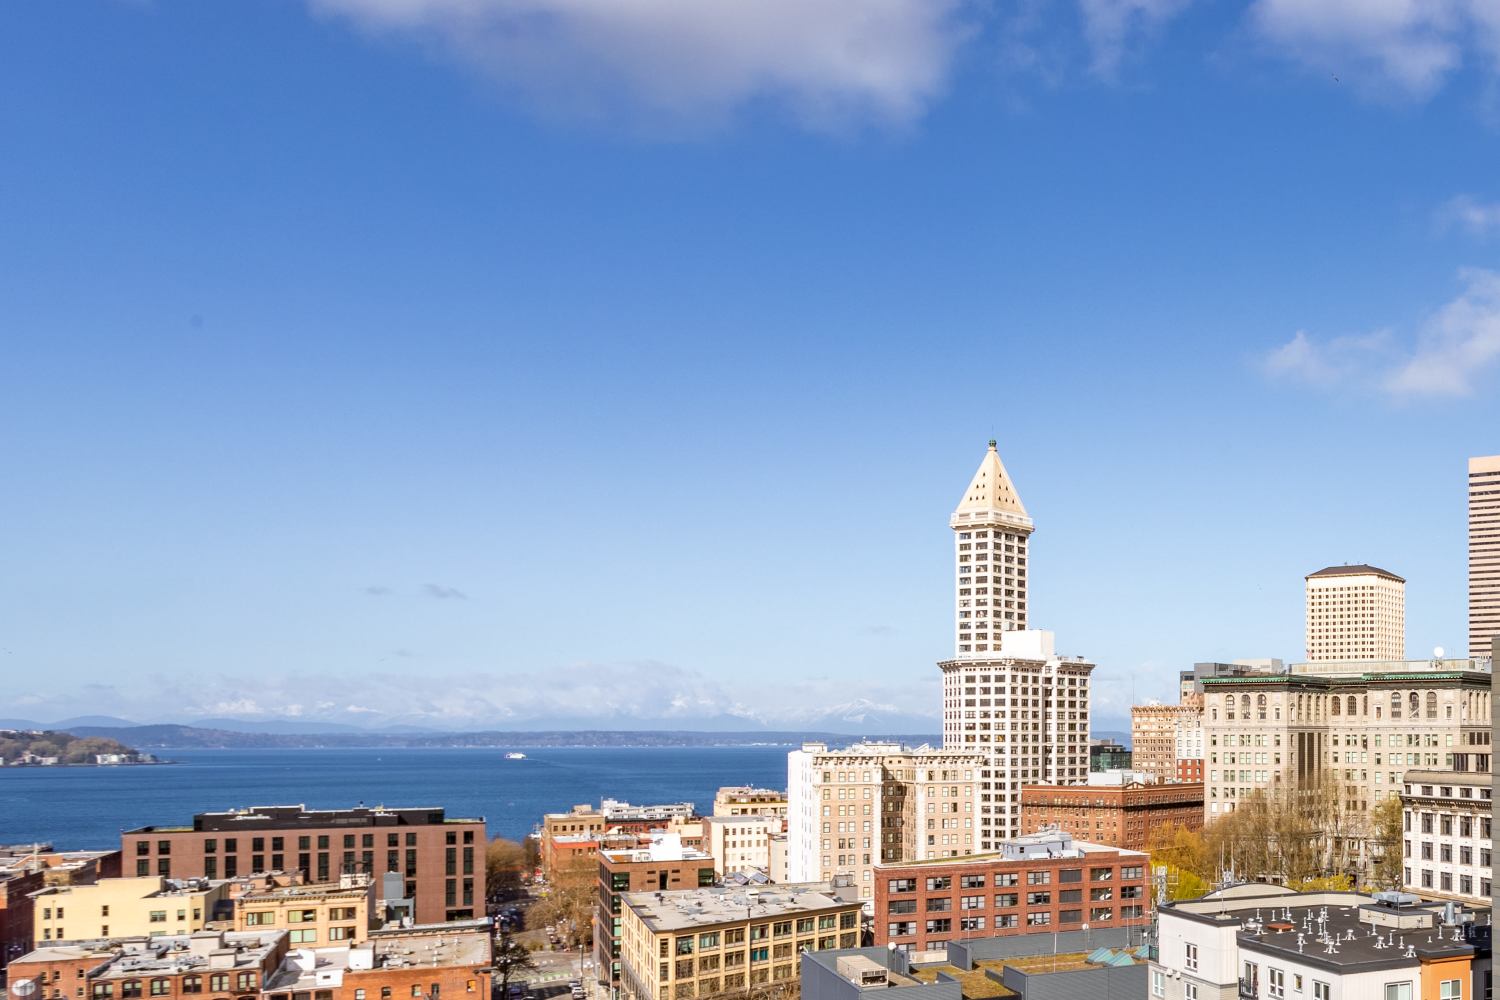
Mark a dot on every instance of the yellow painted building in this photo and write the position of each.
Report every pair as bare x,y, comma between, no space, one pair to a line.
125,907
704,942
312,915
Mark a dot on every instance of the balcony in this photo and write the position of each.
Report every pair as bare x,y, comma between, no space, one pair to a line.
1249,989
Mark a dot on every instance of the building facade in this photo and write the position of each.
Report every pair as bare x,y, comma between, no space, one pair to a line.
208,965
127,907
663,865
1035,884
707,942
1107,755
449,961
1265,942
857,807
1484,553
738,843
1154,737
1446,845
1355,613
1122,816
440,859
313,916
742,800
1352,729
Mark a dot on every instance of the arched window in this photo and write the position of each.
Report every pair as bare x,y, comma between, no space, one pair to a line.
1337,705
161,987
1395,704
1414,704
1353,706
1432,704
1260,706
1229,706
1245,705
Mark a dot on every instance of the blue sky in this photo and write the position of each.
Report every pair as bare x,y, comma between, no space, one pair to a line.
514,361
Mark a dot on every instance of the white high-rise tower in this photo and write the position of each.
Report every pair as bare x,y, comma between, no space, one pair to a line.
1007,695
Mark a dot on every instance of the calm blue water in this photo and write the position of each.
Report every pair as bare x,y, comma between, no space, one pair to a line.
87,807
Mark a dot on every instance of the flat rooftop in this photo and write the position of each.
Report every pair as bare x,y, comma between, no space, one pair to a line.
679,909
1344,937
125,957
292,817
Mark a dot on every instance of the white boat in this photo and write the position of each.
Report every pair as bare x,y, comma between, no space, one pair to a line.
515,755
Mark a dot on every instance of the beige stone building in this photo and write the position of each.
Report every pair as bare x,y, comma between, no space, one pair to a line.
125,907
738,843
1355,613
1446,836
742,800
875,803
1156,732
713,941
312,915
1007,696
1359,725
1484,553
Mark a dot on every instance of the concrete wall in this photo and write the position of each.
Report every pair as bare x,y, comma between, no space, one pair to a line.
1126,982
963,954
820,981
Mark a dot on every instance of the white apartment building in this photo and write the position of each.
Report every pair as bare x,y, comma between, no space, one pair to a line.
1446,834
1007,696
873,803
1484,553
1355,613
1266,942
743,800
738,843
1188,741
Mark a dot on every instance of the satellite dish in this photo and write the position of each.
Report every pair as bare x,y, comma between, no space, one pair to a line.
24,988
1437,652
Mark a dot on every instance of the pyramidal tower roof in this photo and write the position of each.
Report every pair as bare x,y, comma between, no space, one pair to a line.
991,489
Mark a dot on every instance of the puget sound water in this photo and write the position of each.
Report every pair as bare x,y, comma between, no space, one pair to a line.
77,808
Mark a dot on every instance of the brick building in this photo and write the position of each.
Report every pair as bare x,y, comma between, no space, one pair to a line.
208,965
1043,882
583,829
17,911
441,860
428,962
1154,737
1117,815
662,865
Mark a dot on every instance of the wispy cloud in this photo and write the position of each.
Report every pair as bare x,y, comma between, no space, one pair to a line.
828,61
1406,48
442,593
376,590
1456,348
1467,213
1113,27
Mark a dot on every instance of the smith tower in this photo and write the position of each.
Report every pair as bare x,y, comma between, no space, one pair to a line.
990,529
1007,696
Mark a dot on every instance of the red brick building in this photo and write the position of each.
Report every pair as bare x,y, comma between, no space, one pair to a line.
1118,815
16,887
1190,770
208,965
441,860
1049,882
662,864
428,962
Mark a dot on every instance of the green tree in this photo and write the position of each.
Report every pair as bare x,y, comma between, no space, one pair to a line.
510,960
1385,828
570,900
504,864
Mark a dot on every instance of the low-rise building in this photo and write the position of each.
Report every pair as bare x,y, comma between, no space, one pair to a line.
1040,882
440,858
333,913
208,964
584,828
1108,755
1260,942
740,842
127,907
704,942
1119,815
448,961
663,864
743,800
17,910
1446,843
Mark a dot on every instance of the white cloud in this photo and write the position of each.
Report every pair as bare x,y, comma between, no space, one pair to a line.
1458,345
1452,350
1477,218
1111,27
1410,47
830,61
